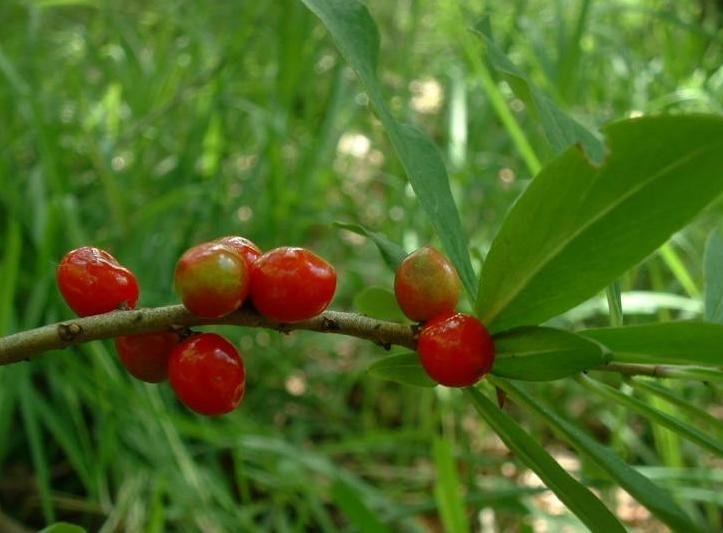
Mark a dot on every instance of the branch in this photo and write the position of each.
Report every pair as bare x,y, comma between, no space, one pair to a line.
26,344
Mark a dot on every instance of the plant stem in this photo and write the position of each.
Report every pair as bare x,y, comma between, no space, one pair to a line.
21,346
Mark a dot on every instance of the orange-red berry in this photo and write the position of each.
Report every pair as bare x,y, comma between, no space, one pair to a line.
456,350
291,284
146,355
244,247
212,280
207,374
92,282
426,285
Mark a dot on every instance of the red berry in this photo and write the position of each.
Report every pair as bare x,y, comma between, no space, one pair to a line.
145,355
291,284
426,285
456,350
207,374
212,280
244,247
93,282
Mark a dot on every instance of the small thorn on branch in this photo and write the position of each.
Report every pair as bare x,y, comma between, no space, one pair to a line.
69,332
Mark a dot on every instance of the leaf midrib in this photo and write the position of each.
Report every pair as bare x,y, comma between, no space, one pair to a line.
504,302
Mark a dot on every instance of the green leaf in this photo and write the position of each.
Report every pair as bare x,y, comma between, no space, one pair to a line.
686,431
713,262
577,228
62,527
378,302
392,253
447,489
543,354
403,368
561,130
663,343
357,38
571,492
641,488
356,510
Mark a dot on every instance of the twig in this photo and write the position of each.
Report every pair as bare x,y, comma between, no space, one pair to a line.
23,345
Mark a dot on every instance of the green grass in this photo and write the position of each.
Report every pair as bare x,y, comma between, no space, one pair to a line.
146,127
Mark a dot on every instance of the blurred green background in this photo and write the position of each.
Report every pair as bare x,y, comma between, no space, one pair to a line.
146,127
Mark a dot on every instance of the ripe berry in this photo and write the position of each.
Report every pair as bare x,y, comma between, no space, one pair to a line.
426,285
93,282
456,350
244,247
212,280
207,374
291,284
145,355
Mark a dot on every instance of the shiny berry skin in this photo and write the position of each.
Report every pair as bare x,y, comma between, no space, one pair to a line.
426,285
456,350
244,247
212,280
146,355
291,284
93,282
207,374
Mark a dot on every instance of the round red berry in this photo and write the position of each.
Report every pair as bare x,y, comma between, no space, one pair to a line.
207,374
426,285
456,350
212,280
291,284
92,282
244,247
146,355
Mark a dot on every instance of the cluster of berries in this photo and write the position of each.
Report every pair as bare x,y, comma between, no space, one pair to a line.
213,279
286,285
455,349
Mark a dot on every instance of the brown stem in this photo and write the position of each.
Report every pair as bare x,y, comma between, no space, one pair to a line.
21,346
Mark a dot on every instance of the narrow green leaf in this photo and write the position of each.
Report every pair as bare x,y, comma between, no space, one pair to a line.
561,130
711,423
686,431
641,488
357,37
577,228
571,492
63,527
713,262
378,302
696,343
392,253
403,368
543,354
447,489
360,516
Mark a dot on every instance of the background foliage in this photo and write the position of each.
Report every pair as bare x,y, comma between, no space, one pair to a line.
147,127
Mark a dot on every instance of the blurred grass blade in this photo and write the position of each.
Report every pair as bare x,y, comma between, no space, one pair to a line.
572,493
713,265
357,38
679,270
9,273
37,448
62,527
378,302
543,354
447,489
560,129
576,228
615,303
686,431
711,423
392,253
360,516
697,343
642,489
404,368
